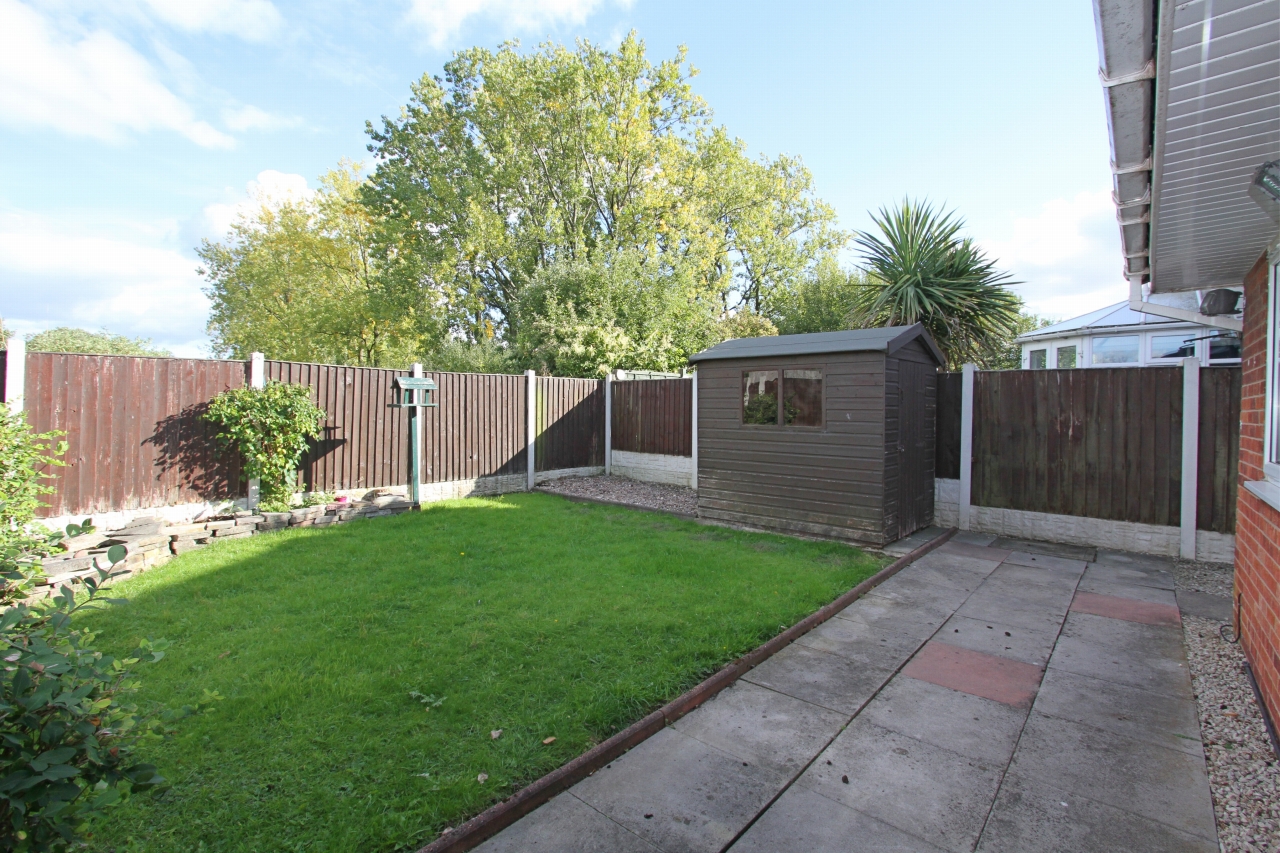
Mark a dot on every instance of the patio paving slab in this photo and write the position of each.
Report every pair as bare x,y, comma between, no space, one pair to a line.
1011,608
897,615
1128,609
1148,641
821,678
1033,816
1048,562
961,722
924,790
858,641
1138,592
1018,573
763,727
567,825
1078,553
1109,663
1154,717
996,638
915,590
1160,784
805,820
989,676
980,552
1205,605
1132,573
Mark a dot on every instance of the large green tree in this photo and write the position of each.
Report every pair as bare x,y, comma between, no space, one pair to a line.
296,280
514,162
923,271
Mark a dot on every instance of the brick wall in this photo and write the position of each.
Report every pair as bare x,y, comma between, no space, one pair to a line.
1257,576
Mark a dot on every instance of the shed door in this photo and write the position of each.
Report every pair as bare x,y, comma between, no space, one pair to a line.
915,451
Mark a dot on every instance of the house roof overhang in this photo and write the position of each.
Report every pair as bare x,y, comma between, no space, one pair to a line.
1193,108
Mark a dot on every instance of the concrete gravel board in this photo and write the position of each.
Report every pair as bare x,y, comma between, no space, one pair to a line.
924,790
858,641
1154,717
1032,816
763,727
1165,785
996,638
961,722
804,820
699,797
821,678
566,825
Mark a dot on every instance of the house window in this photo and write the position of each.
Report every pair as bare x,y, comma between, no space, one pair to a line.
1066,357
802,397
1038,359
760,397
1224,347
1173,346
1116,349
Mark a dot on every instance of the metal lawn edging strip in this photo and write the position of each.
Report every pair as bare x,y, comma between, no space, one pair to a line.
501,815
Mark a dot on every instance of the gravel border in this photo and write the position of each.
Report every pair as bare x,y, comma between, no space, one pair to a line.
1211,578
659,496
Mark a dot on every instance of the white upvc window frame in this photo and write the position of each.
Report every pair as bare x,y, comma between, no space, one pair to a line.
1271,395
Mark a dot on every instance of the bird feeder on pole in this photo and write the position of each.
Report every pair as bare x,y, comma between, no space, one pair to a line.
414,393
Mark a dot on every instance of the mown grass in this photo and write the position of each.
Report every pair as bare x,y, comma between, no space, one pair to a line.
528,613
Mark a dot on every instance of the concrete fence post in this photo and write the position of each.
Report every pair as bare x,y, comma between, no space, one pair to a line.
416,422
608,424
966,444
693,426
531,422
1190,455
15,373
257,379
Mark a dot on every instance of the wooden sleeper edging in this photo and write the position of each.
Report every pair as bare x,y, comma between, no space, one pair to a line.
501,815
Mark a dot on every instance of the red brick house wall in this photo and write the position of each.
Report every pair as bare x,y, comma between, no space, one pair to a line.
1257,579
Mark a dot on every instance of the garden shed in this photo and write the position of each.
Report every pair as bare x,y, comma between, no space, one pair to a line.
829,433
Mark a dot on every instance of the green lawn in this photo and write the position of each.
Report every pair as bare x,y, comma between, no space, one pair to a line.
527,613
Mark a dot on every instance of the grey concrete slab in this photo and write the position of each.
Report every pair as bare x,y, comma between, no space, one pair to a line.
1157,718
762,726
698,798
1106,662
926,791
1132,574
1160,784
566,825
1138,592
821,678
1055,597
1047,562
901,616
1032,816
1137,639
861,642
958,573
1205,605
949,562
1016,575
961,722
1131,559
908,589
968,537
804,820
1012,609
997,638
1079,553
914,541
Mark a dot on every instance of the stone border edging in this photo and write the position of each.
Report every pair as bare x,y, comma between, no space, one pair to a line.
498,817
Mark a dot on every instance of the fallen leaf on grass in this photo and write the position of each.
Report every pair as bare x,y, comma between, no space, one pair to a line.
224,654
482,778
495,734
548,741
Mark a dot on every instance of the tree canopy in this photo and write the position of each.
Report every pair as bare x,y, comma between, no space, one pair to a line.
67,339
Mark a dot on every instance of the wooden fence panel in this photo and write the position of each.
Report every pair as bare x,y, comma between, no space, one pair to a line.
477,430
947,431
653,416
133,427
1219,458
570,423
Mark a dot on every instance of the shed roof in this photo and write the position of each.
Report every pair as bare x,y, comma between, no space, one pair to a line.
886,339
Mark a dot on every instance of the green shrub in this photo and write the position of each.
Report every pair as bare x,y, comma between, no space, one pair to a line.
269,427
27,460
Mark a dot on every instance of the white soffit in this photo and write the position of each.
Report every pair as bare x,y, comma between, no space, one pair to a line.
1217,119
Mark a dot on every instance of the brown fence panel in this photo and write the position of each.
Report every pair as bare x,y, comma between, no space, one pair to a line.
653,416
133,428
1219,457
947,448
1103,442
570,423
478,428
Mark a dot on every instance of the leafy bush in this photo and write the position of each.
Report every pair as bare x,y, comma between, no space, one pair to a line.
67,728
269,427
66,339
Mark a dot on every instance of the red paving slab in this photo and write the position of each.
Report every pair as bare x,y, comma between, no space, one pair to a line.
1128,609
978,673
978,552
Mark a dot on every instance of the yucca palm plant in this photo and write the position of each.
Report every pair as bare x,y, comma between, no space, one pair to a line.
923,271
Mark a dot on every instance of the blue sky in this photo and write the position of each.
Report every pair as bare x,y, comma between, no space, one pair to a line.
129,130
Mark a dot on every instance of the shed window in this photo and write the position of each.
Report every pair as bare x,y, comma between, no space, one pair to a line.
802,397
1038,359
1117,349
1066,357
760,397
1173,346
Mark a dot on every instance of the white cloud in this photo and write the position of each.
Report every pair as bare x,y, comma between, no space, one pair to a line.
252,20
270,188
442,19
253,118
1067,255
88,84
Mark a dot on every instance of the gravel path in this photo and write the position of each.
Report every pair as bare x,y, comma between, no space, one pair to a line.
1243,771
624,491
